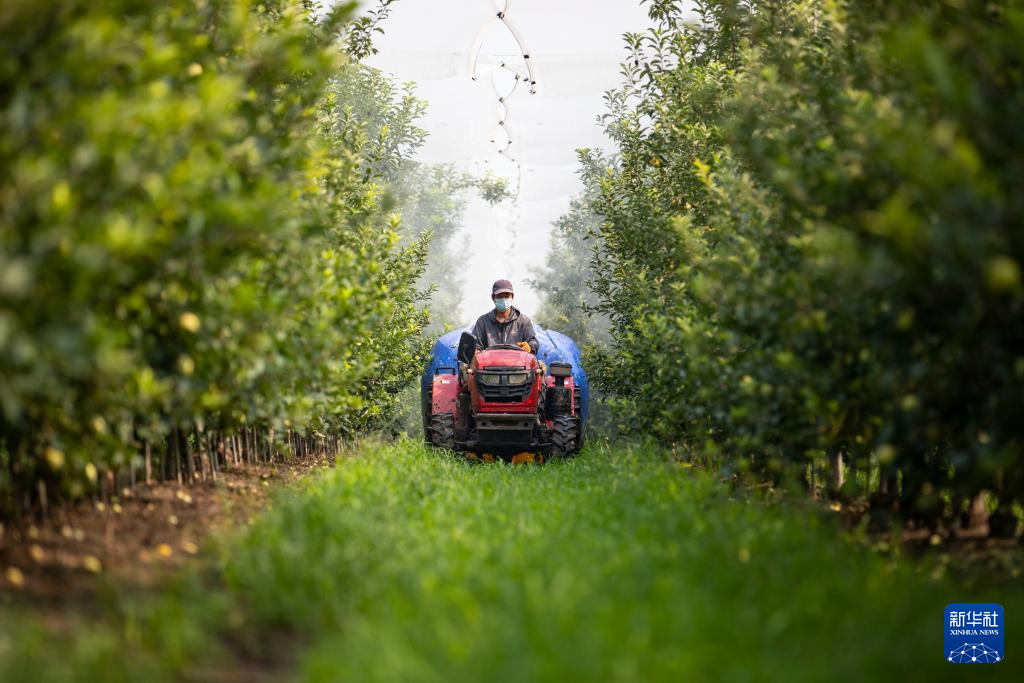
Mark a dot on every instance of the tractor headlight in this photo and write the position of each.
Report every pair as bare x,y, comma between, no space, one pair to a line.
489,380
519,378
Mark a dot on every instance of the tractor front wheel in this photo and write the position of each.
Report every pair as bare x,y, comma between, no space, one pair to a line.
565,435
442,430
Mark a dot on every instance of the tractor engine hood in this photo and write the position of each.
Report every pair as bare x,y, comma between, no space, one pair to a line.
505,358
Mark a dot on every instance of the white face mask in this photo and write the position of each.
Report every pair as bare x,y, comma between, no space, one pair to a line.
503,303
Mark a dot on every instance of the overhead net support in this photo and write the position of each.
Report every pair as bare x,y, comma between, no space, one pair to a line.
529,77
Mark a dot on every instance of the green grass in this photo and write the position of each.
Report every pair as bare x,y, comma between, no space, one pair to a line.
406,565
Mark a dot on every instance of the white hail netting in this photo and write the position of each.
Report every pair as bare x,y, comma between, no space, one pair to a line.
494,123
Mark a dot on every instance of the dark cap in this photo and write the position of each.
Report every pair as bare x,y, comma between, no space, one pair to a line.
501,287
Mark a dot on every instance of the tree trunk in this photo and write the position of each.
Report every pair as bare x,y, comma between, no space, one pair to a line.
835,480
43,503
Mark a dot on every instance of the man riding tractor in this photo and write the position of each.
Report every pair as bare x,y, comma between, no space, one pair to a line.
505,324
496,396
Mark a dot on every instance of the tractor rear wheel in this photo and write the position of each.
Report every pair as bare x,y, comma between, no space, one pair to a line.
565,436
441,430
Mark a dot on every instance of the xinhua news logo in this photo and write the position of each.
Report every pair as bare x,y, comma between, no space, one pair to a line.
974,633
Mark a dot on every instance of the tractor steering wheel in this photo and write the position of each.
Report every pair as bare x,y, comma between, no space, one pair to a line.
511,347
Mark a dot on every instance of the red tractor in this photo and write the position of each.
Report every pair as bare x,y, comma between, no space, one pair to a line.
502,400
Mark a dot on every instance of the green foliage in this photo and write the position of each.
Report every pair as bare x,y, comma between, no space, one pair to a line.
811,243
433,199
430,200
195,232
360,33
570,303
403,564
565,279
